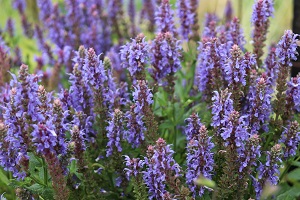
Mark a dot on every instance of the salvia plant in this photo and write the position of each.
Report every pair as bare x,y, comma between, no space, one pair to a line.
116,104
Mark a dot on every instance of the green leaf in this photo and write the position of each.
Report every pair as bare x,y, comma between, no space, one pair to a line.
294,175
285,197
3,178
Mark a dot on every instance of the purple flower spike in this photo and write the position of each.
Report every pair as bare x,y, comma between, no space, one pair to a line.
262,11
133,166
269,171
164,18
199,160
186,18
235,33
134,56
290,138
287,49
114,133
193,126
44,138
166,53
161,168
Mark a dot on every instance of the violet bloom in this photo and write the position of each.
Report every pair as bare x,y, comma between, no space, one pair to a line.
45,10
287,49
290,138
272,66
44,138
193,126
235,132
142,96
10,27
262,11
259,104
235,33
135,127
114,133
186,18
133,166
211,59
160,169
249,155
199,160
222,106
134,56
165,57
132,13
79,145
293,93
164,18
268,172
210,30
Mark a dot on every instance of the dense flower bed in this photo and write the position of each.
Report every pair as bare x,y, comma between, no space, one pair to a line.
109,113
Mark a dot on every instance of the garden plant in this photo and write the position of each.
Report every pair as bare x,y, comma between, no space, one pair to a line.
135,102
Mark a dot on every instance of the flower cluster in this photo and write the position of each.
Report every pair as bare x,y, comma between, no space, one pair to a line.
186,18
164,18
199,160
166,53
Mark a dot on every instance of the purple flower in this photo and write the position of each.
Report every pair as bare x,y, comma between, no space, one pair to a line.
262,10
114,133
193,126
222,106
10,27
235,33
164,18
186,18
272,66
79,145
259,104
133,166
293,94
44,138
135,127
249,155
287,49
134,56
209,73
290,138
142,96
199,160
165,57
269,171
45,10
235,132
160,168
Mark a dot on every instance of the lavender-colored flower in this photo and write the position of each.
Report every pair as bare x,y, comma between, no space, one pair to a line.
262,11
131,12
292,100
160,169
193,126
44,138
186,18
20,5
269,171
250,155
45,10
290,138
142,97
164,18
210,30
133,166
271,65
235,132
165,56
134,56
114,133
287,48
222,106
259,104
209,73
235,33
135,127
199,160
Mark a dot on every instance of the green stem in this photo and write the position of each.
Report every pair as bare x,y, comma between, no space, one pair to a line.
287,168
45,172
37,180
